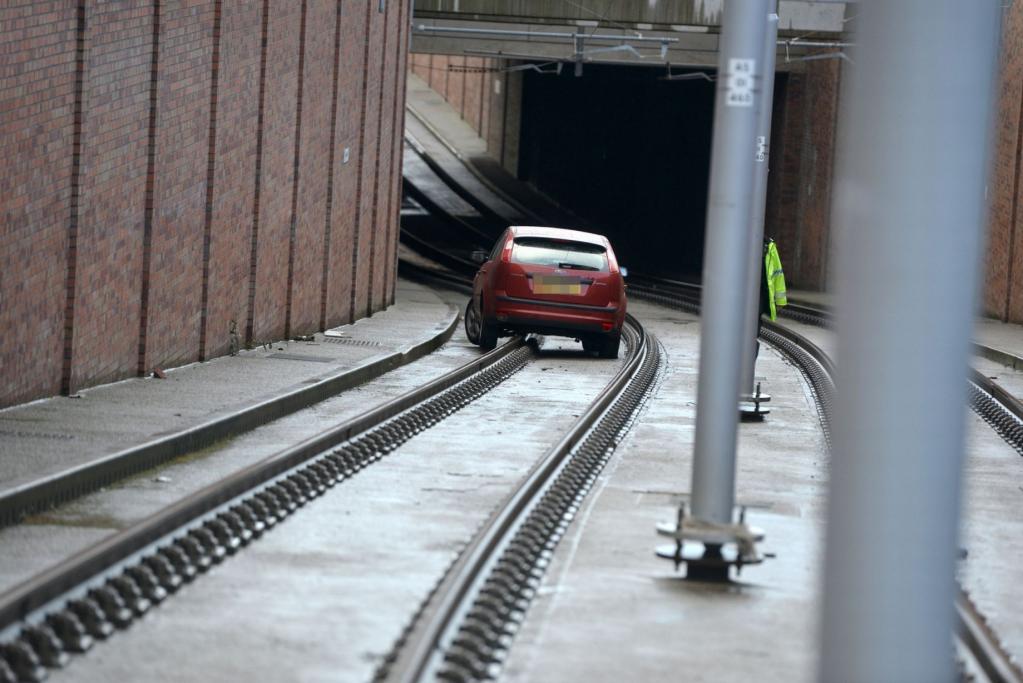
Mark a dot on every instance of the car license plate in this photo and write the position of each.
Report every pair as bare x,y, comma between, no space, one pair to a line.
556,284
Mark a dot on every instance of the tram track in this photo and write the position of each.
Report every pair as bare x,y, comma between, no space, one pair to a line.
470,653
92,595
89,596
976,639
465,627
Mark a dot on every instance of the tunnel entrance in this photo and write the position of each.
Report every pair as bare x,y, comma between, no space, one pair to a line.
629,153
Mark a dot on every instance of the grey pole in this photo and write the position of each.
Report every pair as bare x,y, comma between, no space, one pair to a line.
909,216
724,268
761,154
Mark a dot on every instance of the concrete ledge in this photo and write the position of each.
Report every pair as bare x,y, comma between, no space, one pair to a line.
998,356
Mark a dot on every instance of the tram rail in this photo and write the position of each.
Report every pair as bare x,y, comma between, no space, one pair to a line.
975,639
465,627
85,598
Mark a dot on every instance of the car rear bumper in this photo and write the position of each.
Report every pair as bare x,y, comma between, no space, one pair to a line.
555,318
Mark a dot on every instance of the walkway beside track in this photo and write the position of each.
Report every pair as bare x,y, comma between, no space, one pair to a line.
200,403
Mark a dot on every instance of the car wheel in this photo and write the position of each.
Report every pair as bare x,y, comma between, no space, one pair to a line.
473,321
591,344
488,336
609,345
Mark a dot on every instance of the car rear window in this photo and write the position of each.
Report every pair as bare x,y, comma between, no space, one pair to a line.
542,251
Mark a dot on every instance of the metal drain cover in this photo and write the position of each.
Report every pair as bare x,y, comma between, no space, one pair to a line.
350,341
298,356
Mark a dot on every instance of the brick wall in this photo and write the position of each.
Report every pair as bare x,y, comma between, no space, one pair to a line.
206,195
439,73
468,85
369,143
342,275
37,76
472,102
512,117
798,214
486,97
420,65
782,193
1003,287
313,164
464,82
497,109
174,303
232,188
269,294
404,27
384,157
456,85
103,342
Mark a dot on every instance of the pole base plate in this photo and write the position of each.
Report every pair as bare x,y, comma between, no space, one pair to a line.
751,405
710,550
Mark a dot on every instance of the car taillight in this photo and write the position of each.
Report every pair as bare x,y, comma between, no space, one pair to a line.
506,252
606,326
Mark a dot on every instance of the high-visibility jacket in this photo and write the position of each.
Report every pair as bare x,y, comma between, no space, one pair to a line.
775,279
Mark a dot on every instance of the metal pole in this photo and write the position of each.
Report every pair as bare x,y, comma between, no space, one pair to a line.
909,216
761,154
724,267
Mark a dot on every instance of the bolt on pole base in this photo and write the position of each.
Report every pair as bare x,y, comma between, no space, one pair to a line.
710,550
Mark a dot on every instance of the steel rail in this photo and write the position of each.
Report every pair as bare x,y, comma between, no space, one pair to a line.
426,646
992,402
65,607
1001,410
452,263
983,643
973,631
445,176
414,271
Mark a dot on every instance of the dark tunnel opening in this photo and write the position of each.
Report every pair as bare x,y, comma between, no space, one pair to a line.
629,153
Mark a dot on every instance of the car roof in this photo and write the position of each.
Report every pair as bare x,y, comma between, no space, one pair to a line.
559,233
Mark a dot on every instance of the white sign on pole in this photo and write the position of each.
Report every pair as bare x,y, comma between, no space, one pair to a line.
761,154
739,84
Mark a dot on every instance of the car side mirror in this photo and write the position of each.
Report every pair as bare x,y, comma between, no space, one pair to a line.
624,271
479,256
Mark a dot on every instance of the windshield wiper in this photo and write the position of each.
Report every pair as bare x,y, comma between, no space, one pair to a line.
576,266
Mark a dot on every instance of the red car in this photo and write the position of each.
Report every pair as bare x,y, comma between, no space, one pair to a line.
549,281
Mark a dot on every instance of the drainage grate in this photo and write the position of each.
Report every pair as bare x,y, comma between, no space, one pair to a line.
19,434
351,342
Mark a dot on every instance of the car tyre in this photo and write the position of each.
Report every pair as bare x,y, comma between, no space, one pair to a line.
609,345
592,344
488,336
473,321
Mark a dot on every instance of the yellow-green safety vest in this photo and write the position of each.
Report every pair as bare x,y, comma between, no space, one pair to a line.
775,279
